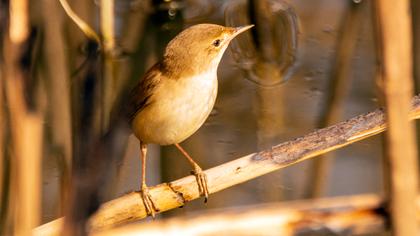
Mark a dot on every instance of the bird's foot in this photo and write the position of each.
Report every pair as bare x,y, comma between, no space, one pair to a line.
149,205
201,182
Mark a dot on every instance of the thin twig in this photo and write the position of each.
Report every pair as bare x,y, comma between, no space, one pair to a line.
109,79
172,195
84,27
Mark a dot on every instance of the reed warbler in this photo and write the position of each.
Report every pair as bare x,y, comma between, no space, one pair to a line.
177,94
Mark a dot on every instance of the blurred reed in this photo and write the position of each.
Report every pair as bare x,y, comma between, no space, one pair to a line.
339,82
415,6
394,49
267,55
109,88
348,215
4,130
58,80
25,120
4,161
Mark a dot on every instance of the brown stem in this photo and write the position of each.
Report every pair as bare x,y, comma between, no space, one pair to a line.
393,27
340,81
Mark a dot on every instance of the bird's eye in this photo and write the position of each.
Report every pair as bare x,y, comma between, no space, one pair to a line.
216,42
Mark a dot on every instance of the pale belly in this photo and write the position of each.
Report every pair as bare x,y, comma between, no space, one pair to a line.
179,109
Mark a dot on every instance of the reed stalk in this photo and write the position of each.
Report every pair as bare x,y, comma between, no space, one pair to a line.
175,194
393,22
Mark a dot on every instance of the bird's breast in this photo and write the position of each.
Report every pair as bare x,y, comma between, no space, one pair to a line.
178,109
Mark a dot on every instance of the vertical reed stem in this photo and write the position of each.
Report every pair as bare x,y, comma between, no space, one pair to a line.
415,5
59,91
108,39
26,126
3,163
107,24
395,54
338,88
28,173
19,20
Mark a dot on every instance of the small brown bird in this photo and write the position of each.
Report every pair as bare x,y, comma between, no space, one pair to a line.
177,94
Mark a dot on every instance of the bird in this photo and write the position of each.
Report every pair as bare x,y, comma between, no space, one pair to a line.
177,94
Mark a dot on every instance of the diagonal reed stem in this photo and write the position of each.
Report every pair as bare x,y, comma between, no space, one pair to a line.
172,195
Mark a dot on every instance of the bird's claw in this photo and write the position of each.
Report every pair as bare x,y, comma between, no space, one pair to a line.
201,182
149,205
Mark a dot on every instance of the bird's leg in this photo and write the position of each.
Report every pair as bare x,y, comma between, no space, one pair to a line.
147,200
199,174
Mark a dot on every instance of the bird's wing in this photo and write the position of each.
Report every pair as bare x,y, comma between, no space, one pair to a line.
140,95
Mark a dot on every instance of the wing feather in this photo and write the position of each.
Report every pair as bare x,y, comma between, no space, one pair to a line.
140,95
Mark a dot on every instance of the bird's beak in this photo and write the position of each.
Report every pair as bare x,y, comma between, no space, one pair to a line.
241,29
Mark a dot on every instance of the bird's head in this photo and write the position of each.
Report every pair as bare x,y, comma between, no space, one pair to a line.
199,48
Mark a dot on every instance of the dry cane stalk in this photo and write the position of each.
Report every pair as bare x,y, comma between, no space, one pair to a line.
347,215
26,126
395,53
172,195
